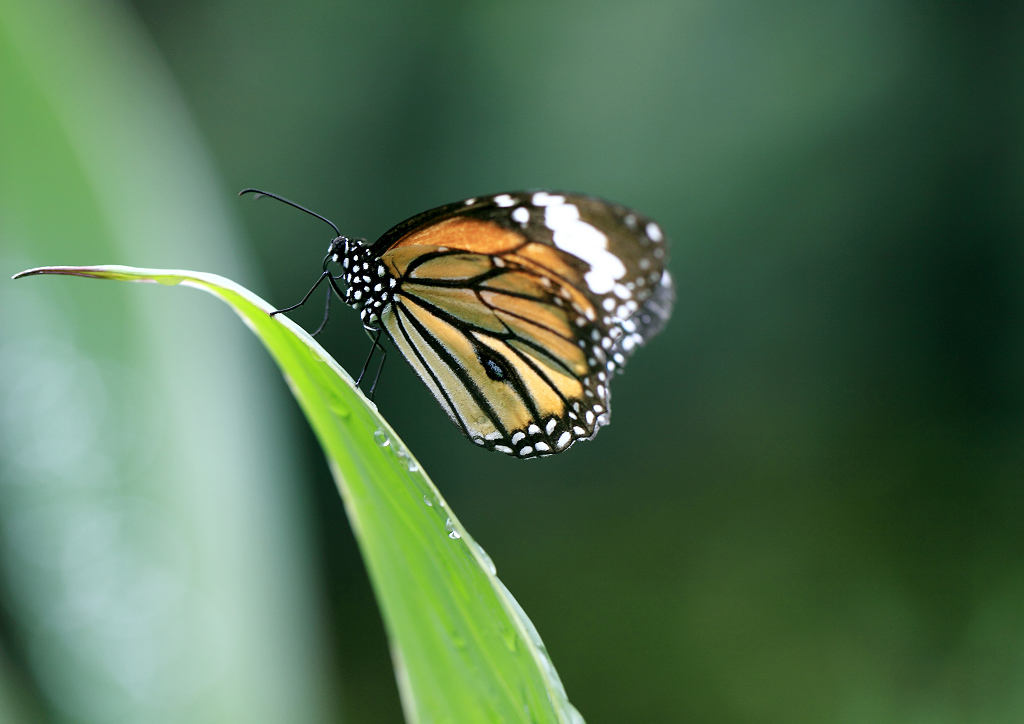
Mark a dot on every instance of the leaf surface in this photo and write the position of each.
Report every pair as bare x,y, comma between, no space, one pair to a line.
463,649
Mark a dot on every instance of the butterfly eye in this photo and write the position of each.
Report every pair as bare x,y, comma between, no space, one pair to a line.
492,366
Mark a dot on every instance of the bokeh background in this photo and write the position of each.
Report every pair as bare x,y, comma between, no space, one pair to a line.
810,504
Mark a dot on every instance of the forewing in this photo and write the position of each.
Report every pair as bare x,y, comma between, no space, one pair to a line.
516,308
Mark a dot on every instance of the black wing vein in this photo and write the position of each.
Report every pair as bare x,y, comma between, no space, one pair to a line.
477,394
412,345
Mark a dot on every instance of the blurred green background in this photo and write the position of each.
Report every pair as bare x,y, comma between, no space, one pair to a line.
810,506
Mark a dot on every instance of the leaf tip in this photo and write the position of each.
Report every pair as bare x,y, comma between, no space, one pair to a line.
78,271
30,272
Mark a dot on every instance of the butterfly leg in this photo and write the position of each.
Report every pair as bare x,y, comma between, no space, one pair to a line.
327,313
305,298
373,347
380,367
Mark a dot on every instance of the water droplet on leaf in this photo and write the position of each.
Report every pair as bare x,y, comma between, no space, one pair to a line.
487,562
407,460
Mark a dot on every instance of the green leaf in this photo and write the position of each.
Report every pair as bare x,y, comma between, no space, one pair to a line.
463,649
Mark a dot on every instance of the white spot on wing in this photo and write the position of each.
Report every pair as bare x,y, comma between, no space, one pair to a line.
522,215
504,200
654,232
582,240
543,198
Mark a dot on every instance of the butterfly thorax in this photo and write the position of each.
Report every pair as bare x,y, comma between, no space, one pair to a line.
368,283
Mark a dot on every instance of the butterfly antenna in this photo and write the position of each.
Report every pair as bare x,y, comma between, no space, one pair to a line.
283,200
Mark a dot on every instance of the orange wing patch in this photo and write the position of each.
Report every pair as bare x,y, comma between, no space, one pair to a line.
504,401
548,263
398,260
478,237
519,282
547,260
459,302
453,267
537,312
571,356
570,387
471,235
543,395
390,318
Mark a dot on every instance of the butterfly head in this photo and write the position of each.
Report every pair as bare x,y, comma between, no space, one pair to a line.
339,250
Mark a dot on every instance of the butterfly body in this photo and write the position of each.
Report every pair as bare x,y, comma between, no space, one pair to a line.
515,309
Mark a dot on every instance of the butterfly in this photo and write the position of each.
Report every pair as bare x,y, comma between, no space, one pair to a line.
514,309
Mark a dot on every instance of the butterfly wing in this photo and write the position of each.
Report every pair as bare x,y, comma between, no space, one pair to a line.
515,310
